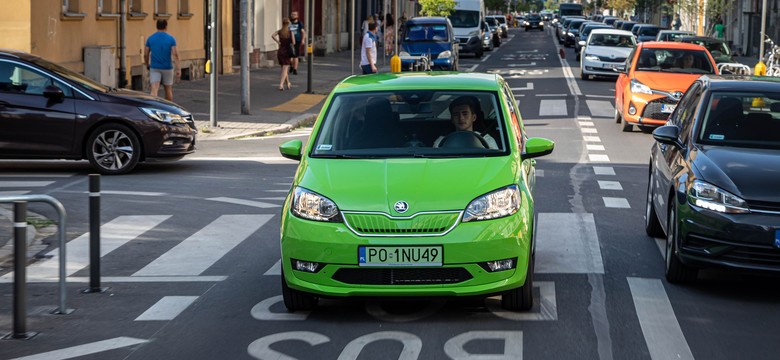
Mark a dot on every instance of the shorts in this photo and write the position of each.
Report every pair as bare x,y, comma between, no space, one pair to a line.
155,75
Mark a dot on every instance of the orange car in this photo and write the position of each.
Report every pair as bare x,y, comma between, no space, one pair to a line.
656,76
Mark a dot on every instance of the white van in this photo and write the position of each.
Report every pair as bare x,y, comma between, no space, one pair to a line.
466,22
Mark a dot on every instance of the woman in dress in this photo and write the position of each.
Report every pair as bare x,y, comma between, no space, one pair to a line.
286,42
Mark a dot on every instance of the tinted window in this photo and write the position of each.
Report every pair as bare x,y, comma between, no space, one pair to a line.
741,119
675,60
649,31
534,18
426,33
16,78
465,18
612,40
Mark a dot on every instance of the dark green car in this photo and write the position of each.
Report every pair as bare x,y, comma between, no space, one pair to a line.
412,184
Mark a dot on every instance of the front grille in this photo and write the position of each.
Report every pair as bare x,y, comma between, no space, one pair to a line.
379,224
748,254
653,109
421,276
763,205
463,40
612,60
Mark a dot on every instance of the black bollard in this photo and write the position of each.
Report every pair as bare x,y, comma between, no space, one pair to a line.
20,270
94,235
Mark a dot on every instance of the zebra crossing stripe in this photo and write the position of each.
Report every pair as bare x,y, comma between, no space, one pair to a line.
257,204
167,308
201,250
570,249
662,332
24,184
112,235
85,349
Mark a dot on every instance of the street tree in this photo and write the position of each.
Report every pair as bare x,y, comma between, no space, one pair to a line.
437,7
621,6
496,5
710,11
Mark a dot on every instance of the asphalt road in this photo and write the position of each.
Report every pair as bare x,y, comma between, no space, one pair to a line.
191,257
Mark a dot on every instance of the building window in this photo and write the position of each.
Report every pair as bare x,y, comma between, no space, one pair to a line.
161,9
107,9
71,10
184,9
136,10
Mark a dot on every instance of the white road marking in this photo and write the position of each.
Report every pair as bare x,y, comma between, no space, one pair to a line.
610,185
617,203
257,204
85,349
586,123
601,96
262,311
528,86
604,170
551,95
598,158
37,175
662,332
589,130
168,308
276,268
545,310
574,89
539,173
128,279
485,58
135,193
24,184
200,251
584,117
112,235
571,249
552,108
260,159
13,193
521,65
591,138
600,108
472,68
594,147
513,345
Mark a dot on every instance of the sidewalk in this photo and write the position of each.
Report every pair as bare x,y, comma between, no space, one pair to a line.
271,110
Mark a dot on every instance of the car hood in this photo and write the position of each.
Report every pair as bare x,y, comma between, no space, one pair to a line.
425,184
669,82
423,48
138,98
607,51
752,174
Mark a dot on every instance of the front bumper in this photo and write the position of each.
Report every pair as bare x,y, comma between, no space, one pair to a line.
473,45
464,247
650,109
599,67
445,64
745,241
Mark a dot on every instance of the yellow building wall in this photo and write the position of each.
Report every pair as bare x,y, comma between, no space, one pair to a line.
15,25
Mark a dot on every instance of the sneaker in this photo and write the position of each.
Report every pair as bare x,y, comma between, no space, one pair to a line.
295,72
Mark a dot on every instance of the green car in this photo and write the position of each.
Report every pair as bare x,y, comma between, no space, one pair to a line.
412,185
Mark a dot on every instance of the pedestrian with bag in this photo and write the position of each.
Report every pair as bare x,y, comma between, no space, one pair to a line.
160,49
368,50
286,41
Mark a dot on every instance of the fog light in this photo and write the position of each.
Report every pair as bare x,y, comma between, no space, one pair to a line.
168,142
306,266
499,265
631,109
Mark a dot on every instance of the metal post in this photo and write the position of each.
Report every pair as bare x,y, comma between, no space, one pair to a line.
20,271
122,47
763,31
245,57
94,235
352,35
213,61
310,45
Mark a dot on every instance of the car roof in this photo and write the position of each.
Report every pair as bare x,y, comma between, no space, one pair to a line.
611,31
667,31
438,80
13,53
670,45
699,38
428,20
742,82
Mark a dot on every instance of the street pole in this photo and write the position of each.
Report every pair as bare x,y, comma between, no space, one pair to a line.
352,35
122,47
213,65
763,32
309,45
245,57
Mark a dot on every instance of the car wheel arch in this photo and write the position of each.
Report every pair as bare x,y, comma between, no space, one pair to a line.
85,139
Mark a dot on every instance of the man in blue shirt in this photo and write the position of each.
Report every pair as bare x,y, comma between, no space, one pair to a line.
296,28
161,69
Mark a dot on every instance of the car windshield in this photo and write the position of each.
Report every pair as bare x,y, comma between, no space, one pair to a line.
742,119
71,75
534,18
465,18
614,40
411,123
649,31
671,36
426,32
716,48
675,61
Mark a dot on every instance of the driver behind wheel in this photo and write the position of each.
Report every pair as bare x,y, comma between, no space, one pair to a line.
464,112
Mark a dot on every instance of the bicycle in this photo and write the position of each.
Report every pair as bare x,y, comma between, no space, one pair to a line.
772,58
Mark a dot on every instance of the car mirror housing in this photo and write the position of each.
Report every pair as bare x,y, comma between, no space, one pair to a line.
54,93
620,68
582,43
291,149
536,147
668,134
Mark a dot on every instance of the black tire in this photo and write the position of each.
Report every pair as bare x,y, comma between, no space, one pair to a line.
577,57
522,298
618,118
676,272
584,76
295,300
526,29
113,149
625,125
652,224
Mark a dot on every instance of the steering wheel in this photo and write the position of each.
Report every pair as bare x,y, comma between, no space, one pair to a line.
464,139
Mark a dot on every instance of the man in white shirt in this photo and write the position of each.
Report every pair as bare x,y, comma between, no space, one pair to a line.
368,50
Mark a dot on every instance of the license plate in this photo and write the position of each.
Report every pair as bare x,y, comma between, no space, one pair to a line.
610,66
777,238
668,108
400,255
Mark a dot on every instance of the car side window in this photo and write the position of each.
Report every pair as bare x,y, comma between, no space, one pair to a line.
514,115
630,59
686,108
20,79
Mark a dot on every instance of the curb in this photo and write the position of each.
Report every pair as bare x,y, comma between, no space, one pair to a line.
290,125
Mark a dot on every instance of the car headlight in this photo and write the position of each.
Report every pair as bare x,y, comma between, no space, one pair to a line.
312,206
591,58
444,54
639,88
526,23
163,116
487,35
711,197
493,205
571,34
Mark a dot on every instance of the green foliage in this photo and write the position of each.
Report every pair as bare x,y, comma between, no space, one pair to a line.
621,6
499,5
715,9
437,7
550,4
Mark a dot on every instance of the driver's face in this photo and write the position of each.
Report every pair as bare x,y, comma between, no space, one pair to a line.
463,118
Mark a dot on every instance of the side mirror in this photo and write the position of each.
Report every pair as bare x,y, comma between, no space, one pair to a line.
582,43
668,134
536,147
291,149
620,68
53,93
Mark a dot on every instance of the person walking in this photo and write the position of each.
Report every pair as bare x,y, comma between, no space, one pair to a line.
676,23
159,49
368,50
719,29
299,33
287,46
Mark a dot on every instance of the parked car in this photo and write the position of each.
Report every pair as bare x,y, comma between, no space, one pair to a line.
718,48
502,21
488,37
533,21
672,35
495,29
609,20
645,32
431,37
582,35
605,51
50,112
572,30
714,188
656,76
377,209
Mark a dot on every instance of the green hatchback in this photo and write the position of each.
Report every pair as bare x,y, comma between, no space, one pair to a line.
412,185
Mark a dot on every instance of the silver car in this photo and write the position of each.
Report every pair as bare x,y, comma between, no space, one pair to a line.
605,51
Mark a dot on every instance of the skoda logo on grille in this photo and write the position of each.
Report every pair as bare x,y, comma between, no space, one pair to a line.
401,207
677,95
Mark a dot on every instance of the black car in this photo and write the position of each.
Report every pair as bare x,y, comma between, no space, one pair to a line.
533,22
714,183
719,49
50,112
572,31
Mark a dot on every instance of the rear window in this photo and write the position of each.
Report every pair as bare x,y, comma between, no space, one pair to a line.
742,119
